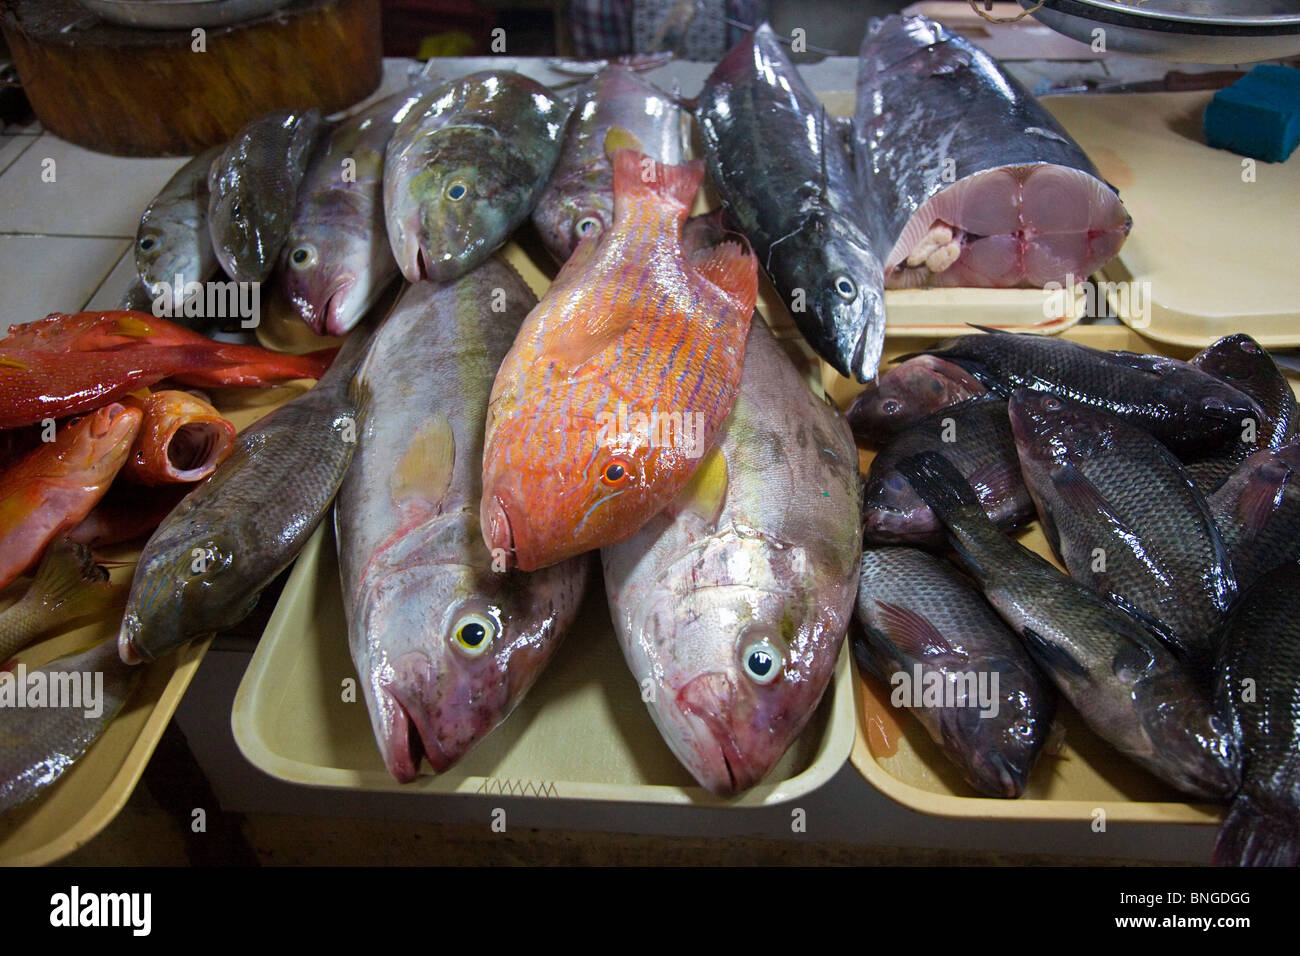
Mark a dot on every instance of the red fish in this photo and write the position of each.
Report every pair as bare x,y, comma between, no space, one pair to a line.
182,440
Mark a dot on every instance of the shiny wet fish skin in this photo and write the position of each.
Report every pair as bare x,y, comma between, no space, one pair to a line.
173,238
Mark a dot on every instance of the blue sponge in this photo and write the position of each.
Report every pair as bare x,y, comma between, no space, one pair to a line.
1259,115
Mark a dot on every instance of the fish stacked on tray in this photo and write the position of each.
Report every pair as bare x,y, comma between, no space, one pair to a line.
1165,490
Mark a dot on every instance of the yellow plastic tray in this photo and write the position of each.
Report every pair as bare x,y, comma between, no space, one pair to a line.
1084,776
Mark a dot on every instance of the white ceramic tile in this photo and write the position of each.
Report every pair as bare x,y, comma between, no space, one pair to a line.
110,292
11,147
44,274
92,194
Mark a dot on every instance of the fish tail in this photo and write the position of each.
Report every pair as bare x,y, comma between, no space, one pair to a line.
637,175
731,266
70,581
1255,834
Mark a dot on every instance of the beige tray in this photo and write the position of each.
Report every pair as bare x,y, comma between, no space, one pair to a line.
897,756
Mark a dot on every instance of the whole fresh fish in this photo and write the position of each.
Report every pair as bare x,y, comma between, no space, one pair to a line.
1186,408
337,261
68,585
39,744
444,645
785,178
620,377
464,168
1127,687
182,439
920,618
1257,511
614,108
975,436
173,238
977,183
731,605
906,394
49,492
1259,694
206,565
253,188
1125,519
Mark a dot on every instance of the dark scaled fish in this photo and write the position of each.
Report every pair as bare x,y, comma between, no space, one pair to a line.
977,183
923,620
906,394
784,174
1259,694
1187,409
1128,688
1257,511
253,188
975,436
1124,518
465,167
173,238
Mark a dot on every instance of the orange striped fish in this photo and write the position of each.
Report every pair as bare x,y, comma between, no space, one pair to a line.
620,377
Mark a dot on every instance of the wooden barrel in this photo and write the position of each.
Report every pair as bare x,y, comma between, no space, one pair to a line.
135,92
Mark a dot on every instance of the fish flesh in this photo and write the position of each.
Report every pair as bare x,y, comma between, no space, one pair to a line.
205,566
337,260
616,107
1259,694
39,744
464,168
49,492
919,618
907,393
68,585
173,239
975,436
975,182
1187,409
444,645
253,188
785,177
1127,687
181,439
1125,519
731,605
1257,511
620,377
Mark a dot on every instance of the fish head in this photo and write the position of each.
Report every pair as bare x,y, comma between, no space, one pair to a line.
236,239
916,388
892,511
95,445
1048,428
1209,407
326,281
161,254
567,216
1237,359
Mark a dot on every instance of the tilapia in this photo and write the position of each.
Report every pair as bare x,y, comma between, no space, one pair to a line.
731,605
445,646
975,436
253,188
907,393
39,744
1125,519
206,565
620,377
614,108
785,177
1128,688
465,167
68,585
1259,694
1257,511
173,239
1186,408
976,183
922,620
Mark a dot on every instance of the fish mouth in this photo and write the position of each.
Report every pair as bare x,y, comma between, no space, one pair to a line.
195,449
126,645
715,759
410,740
332,321
1001,776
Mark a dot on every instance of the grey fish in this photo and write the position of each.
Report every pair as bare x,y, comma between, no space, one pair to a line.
68,585
1257,510
464,170
975,436
205,566
579,197
253,188
907,393
977,183
1259,694
1187,409
39,744
785,178
919,616
173,238
1127,687
445,645
1125,519
731,605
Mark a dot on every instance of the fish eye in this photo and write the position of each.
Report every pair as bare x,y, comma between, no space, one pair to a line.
303,256
891,406
846,288
761,661
586,225
474,633
1052,404
616,473
456,190
147,243
1021,728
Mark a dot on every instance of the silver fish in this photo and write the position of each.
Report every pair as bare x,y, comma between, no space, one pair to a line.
173,238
